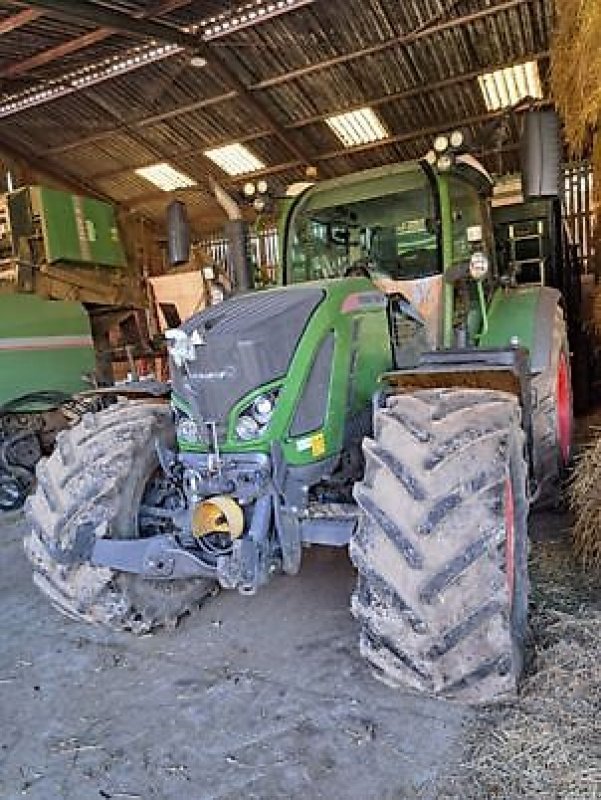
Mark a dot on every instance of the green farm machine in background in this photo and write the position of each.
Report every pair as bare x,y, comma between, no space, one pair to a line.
404,392
61,265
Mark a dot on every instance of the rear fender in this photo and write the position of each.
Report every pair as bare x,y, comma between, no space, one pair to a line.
524,317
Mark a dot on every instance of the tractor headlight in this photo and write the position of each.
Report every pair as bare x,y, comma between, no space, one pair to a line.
262,408
255,418
444,163
478,266
186,428
247,428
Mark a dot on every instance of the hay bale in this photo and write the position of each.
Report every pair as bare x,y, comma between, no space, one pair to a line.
575,85
585,502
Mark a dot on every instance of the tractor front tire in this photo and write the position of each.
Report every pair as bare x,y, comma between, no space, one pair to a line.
441,549
96,478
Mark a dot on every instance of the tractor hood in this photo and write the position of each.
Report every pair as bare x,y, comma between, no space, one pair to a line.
222,353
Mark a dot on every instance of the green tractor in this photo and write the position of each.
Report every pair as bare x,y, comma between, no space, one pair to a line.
400,394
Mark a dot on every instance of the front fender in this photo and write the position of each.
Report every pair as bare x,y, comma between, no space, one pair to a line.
527,314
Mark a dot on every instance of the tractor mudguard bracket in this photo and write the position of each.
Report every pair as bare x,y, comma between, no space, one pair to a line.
504,369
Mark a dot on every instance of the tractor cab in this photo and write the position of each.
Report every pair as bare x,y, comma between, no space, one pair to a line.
418,230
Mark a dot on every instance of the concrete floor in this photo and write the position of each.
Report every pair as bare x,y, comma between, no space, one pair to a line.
264,698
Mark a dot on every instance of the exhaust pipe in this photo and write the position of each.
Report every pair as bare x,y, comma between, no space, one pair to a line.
236,231
178,234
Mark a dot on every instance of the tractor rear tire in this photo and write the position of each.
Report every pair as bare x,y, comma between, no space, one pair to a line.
553,418
441,549
96,477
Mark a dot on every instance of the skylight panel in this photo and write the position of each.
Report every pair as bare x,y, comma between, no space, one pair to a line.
235,159
357,127
166,177
506,87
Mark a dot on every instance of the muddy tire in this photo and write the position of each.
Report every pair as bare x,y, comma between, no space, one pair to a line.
552,418
441,550
94,480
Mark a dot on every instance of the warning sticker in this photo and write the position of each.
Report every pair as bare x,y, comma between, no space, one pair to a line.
318,445
315,443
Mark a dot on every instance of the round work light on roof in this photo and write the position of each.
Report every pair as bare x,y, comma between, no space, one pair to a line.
441,143
457,138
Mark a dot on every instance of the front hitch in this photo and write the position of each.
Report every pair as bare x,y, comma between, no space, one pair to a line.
162,558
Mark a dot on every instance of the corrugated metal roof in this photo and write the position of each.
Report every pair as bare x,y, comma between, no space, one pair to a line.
417,62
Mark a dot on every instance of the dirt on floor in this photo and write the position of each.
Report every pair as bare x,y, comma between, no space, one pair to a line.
266,698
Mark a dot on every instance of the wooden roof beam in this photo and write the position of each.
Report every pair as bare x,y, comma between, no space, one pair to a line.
19,20
431,130
174,157
415,91
102,135
80,42
55,53
103,16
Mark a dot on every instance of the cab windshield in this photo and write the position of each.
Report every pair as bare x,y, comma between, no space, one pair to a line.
385,225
